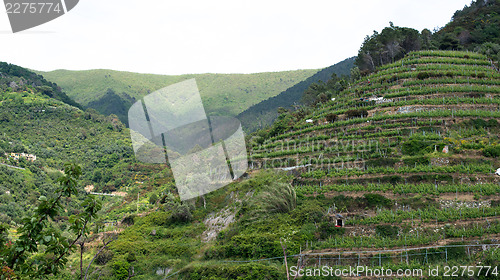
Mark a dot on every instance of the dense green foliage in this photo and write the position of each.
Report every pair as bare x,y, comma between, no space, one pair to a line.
264,113
475,28
42,249
18,79
401,158
112,92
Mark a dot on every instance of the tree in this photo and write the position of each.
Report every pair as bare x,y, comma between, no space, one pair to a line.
355,74
386,47
41,249
449,42
331,117
153,198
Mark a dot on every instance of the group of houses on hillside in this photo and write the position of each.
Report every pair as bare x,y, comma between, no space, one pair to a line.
17,156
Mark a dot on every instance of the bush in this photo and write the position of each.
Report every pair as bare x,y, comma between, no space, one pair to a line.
181,213
360,113
492,151
381,162
310,211
414,147
331,117
279,198
418,160
373,199
129,220
153,198
386,230
233,271
104,257
120,269
423,75
326,229
131,257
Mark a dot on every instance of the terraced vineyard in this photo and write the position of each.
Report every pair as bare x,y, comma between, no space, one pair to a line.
421,134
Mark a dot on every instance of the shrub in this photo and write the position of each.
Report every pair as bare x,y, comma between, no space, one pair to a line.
387,230
360,113
414,147
279,198
131,257
421,160
153,198
310,211
104,257
120,270
331,117
381,162
423,75
373,199
492,151
181,213
327,229
252,270
129,220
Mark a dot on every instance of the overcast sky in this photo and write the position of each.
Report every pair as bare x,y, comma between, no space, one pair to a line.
221,36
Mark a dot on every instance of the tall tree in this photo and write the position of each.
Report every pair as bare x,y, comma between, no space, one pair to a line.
41,249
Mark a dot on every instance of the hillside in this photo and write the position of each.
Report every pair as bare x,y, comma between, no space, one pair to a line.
113,92
392,168
411,110
406,158
265,112
15,78
475,27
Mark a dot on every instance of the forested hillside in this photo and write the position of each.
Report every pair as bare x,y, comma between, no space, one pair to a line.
264,113
113,92
389,164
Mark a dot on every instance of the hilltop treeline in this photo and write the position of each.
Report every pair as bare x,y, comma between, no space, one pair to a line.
475,28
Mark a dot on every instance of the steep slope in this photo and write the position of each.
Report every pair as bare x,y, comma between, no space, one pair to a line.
222,94
472,26
264,113
34,121
18,78
406,160
406,112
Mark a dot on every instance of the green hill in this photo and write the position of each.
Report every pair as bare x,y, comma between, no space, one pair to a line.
392,168
265,112
15,78
411,109
112,92
476,27
411,170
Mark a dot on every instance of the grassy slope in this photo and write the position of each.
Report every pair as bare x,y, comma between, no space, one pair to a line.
372,202
221,93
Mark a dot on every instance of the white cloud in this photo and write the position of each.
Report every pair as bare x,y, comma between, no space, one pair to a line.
223,36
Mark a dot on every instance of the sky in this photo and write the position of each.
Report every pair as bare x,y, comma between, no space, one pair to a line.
217,36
